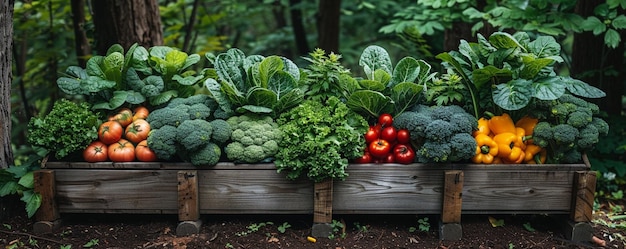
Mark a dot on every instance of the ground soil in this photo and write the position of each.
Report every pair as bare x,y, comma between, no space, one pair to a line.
263,231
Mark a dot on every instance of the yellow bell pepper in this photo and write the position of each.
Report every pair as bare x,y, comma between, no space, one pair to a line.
528,124
483,127
501,124
509,148
486,149
535,154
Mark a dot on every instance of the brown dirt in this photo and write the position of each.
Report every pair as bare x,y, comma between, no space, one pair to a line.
240,231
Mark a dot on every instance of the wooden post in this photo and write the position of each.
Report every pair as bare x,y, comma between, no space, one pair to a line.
450,227
188,203
322,208
47,215
578,228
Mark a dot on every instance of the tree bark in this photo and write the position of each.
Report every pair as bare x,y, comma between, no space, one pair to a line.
6,43
299,32
328,25
80,37
591,59
126,22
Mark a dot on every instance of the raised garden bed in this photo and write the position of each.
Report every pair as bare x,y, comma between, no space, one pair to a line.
446,189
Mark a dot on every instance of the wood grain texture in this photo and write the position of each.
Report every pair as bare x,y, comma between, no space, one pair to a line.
258,189
188,201
323,201
45,186
584,196
452,196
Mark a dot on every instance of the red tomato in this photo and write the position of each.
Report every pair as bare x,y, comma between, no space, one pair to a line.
110,132
144,153
140,112
372,134
122,151
379,148
389,134
96,152
124,116
403,154
390,158
403,136
366,158
137,131
385,120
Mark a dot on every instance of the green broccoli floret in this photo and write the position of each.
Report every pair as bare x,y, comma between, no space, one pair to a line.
193,134
163,142
601,125
199,111
588,137
463,146
193,99
579,118
414,122
208,155
542,134
571,155
564,134
172,116
221,131
439,130
441,133
253,139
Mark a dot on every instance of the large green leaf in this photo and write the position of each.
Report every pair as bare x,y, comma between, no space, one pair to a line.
93,66
78,82
581,88
405,95
267,68
513,95
549,88
9,188
188,80
533,66
215,89
32,200
503,40
375,57
227,66
191,60
382,76
117,100
262,97
490,75
368,102
254,109
424,72
163,98
281,83
545,47
288,100
135,98
27,180
407,70
372,85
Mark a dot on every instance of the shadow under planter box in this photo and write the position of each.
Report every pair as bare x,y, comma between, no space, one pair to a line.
448,190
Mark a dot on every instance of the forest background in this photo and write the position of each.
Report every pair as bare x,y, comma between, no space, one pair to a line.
45,37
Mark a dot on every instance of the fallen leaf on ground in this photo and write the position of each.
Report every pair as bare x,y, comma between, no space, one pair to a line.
495,222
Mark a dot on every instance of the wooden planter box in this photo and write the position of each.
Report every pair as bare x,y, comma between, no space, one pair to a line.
446,189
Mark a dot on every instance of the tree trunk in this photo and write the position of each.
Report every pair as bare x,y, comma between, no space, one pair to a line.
298,28
126,22
83,49
6,39
328,25
591,59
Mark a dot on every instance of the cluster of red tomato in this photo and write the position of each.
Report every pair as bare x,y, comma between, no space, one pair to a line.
122,138
387,144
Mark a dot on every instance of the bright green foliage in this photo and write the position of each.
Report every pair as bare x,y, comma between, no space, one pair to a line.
326,76
194,134
323,137
69,127
441,133
569,127
19,180
254,139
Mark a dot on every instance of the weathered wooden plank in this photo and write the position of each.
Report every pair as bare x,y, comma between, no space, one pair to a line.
395,189
515,190
102,190
253,190
323,201
584,191
452,196
188,202
46,187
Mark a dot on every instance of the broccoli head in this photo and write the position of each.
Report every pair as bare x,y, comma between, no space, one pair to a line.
588,137
564,134
221,131
542,134
208,155
601,125
163,142
253,139
172,116
193,134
